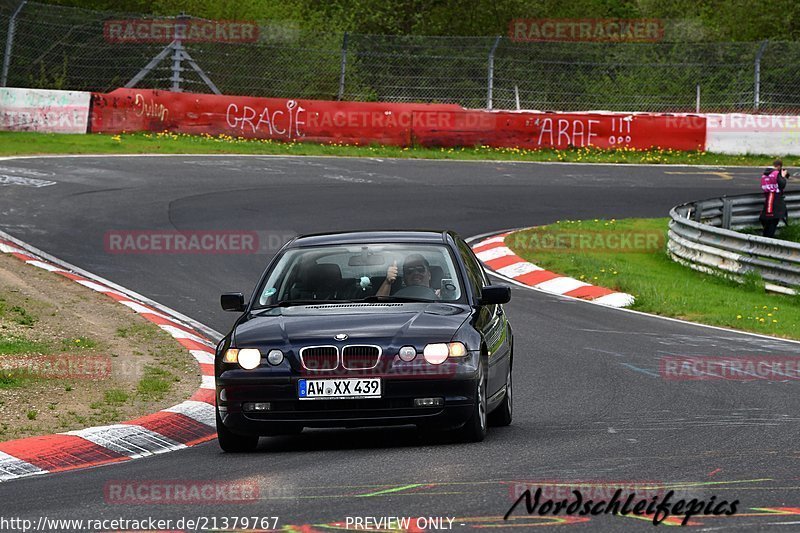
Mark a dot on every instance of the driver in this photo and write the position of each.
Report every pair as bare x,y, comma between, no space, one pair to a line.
416,272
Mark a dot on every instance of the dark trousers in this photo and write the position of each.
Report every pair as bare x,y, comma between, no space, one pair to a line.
770,225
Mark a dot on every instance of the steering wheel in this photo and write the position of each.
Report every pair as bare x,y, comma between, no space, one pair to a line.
417,291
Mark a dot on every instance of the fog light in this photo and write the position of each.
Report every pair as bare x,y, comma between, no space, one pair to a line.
256,406
223,396
407,353
275,357
428,402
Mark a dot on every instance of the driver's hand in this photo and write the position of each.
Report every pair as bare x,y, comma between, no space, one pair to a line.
391,272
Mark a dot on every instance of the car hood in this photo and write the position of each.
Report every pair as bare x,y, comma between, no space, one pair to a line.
383,323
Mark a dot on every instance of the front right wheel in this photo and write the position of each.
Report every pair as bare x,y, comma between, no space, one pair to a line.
475,428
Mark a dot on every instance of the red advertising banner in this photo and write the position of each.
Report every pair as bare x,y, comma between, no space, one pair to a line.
565,130
384,123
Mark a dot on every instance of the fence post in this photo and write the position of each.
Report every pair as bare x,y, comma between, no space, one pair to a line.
12,27
490,84
757,75
343,68
177,53
697,105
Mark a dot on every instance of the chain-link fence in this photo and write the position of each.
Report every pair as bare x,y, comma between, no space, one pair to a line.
57,47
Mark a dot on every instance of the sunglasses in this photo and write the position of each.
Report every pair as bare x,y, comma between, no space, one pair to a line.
419,269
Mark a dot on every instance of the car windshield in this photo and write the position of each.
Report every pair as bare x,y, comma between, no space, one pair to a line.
359,272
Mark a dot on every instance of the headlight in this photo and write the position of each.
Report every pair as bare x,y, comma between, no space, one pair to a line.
438,353
249,358
275,357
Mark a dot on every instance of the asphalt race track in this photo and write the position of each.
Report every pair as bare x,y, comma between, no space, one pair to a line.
589,405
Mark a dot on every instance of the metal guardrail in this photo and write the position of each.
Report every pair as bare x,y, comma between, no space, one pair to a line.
701,236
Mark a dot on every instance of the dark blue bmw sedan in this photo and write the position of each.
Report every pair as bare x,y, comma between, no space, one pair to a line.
364,329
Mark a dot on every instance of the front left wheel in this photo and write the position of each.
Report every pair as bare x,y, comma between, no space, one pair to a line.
502,415
234,443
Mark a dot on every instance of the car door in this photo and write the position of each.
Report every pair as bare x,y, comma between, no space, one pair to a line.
490,321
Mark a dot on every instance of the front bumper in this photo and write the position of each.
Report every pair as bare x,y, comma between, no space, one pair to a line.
395,407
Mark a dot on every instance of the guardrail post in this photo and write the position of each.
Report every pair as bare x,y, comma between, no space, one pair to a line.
12,28
698,211
727,211
342,69
490,81
757,75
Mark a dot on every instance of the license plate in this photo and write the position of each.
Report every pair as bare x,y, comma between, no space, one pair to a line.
338,389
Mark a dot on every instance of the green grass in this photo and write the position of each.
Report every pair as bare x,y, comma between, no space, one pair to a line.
787,233
115,396
662,286
141,331
155,383
18,345
80,343
22,317
26,143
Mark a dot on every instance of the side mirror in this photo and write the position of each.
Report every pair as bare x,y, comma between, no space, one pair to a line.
495,294
232,301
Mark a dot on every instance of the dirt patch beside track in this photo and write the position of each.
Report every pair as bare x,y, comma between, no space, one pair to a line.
72,358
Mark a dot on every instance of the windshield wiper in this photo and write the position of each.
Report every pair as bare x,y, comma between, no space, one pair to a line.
379,298
290,303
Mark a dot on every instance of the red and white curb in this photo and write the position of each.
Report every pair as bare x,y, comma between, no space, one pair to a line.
499,258
186,424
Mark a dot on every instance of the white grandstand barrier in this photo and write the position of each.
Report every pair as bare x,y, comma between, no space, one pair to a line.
44,111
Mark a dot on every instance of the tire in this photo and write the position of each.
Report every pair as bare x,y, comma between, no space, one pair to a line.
233,443
475,428
502,414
